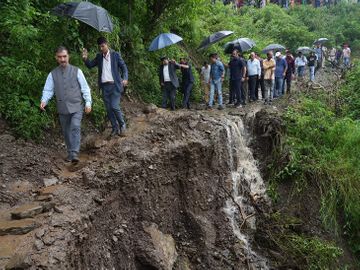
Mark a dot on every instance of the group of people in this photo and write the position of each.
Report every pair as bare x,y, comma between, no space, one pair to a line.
273,75
73,95
283,3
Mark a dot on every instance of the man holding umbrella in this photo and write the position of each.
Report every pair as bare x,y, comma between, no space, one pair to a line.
112,78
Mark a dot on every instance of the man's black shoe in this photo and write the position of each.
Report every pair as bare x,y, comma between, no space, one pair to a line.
75,159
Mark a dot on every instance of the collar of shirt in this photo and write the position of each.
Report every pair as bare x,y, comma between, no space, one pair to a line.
107,56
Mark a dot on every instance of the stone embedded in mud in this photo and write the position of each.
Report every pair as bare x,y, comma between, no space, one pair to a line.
44,198
165,249
18,262
26,211
38,244
50,181
16,227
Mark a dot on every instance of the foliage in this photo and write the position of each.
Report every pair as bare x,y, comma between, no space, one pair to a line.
350,94
324,149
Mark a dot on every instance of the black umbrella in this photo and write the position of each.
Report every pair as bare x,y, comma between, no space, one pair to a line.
241,44
216,37
86,12
273,47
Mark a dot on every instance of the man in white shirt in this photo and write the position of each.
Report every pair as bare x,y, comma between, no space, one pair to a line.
169,81
346,55
254,73
205,81
112,78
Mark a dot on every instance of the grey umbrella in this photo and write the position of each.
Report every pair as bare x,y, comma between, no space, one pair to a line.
304,50
273,47
86,12
321,41
241,44
216,37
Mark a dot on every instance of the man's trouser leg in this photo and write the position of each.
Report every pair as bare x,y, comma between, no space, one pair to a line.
115,106
172,94
237,89
218,85
212,93
71,127
107,98
252,85
187,94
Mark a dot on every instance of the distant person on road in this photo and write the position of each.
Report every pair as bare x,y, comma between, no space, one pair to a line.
319,56
289,58
237,77
312,64
169,81
332,56
187,81
346,53
205,80
217,75
269,65
112,78
338,56
280,72
300,64
69,85
254,73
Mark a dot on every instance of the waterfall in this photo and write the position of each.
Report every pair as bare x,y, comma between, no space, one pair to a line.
246,183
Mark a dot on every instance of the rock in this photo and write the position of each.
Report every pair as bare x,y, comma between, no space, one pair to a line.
26,211
88,175
48,206
151,108
164,247
98,200
38,244
40,233
16,227
44,198
115,239
50,181
183,263
18,262
57,209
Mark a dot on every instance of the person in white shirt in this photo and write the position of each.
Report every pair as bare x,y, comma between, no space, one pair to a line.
254,73
346,55
205,81
300,63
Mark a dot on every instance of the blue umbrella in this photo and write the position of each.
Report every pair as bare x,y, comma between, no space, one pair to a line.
164,40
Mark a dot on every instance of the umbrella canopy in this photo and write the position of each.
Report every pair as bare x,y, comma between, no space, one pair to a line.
241,44
164,40
321,41
273,47
304,50
86,12
216,37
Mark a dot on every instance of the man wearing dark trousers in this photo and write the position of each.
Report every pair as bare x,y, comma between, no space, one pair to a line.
237,76
169,81
254,73
112,78
187,82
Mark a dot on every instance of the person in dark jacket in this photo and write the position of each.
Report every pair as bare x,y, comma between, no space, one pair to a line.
169,81
112,78
237,76
290,60
187,81
312,59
